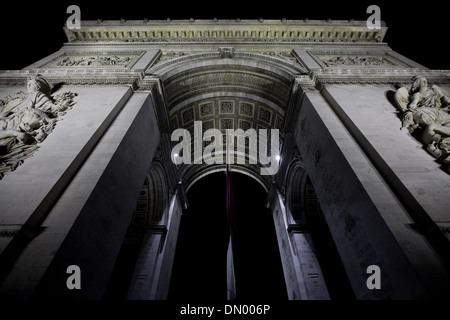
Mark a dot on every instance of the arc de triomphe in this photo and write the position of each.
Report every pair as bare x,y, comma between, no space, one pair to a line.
85,152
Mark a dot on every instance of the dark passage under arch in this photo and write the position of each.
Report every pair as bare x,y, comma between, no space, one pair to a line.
199,270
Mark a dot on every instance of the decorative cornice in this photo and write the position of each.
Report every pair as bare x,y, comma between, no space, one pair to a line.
377,75
138,80
286,44
219,22
217,31
76,77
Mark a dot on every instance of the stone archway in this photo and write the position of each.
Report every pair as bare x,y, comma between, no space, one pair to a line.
323,84
227,90
224,90
199,271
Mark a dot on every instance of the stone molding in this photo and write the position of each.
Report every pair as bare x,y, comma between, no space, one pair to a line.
293,64
74,77
212,31
137,79
376,76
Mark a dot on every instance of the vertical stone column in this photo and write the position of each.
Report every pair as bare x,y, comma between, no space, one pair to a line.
310,270
302,272
335,163
151,277
86,225
27,196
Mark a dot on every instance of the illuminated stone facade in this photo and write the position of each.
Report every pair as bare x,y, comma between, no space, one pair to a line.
105,170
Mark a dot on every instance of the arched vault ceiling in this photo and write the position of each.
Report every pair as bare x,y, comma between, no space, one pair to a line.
243,79
229,91
192,75
227,112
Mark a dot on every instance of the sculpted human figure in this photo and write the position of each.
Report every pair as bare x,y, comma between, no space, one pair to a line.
34,114
427,109
26,119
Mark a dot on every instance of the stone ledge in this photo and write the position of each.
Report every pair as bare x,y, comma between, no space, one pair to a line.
226,30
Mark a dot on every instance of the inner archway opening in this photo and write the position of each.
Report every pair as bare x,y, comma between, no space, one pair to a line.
200,264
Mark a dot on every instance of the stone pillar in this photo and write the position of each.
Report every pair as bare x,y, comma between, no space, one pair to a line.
151,277
358,207
86,225
27,196
311,272
302,272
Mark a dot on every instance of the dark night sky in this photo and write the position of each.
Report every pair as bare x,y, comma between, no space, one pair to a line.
32,30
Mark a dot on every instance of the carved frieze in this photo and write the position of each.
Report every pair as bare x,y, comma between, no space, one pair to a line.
96,60
357,59
26,119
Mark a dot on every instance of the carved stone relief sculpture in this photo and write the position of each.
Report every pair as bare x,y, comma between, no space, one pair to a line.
427,109
337,61
287,56
97,61
26,119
